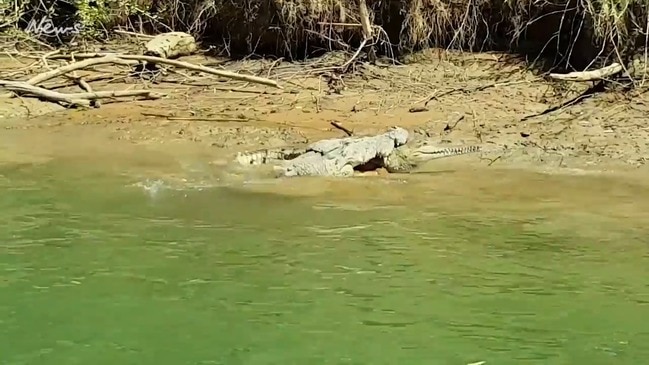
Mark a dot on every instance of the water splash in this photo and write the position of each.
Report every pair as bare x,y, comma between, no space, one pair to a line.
152,187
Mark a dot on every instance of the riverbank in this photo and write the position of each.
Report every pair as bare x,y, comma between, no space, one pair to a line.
458,98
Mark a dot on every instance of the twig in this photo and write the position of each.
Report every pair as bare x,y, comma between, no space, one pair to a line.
187,65
597,88
86,78
207,119
240,118
125,32
117,94
203,119
367,31
450,127
341,24
492,161
479,88
342,128
355,55
47,55
83,84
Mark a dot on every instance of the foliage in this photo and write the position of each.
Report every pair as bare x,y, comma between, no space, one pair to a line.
572,33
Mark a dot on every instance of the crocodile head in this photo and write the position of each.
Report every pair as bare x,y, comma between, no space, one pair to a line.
406,158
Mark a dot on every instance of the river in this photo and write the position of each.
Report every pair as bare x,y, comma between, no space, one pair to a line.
100,267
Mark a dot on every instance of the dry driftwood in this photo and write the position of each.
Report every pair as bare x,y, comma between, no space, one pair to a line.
171,45
74,99
167,45
125,32
149,94
594,75
176,63
85,86
208,70
77,66
55,96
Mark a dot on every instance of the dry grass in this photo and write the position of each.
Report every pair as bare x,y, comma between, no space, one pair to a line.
574,33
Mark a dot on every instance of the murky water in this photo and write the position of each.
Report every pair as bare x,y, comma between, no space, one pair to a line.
94,269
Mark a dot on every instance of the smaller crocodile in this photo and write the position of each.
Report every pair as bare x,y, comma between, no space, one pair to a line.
394,150
406,158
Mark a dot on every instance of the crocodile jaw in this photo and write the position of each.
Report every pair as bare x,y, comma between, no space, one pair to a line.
425,153
404,160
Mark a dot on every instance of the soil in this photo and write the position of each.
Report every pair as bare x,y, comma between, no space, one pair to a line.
471,99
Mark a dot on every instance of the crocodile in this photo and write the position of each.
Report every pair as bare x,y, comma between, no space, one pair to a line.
406,158
269,155
394,150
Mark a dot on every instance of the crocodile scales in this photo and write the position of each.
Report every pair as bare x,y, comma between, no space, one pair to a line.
406,158
394,150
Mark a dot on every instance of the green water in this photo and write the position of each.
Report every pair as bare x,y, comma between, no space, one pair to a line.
96,271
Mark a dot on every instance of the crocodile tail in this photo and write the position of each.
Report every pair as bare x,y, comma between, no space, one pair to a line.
261,157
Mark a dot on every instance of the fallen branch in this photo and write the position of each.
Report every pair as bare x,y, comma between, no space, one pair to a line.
83,84
207,119
590,92
468,90
125,32
117,94
202,119
35,91
111,58
88,79
123,59
208,70
599,74
355,55
75,99
457,121
342,128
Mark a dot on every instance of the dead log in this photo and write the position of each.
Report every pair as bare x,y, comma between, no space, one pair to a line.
117,94
109,58
594,75
74,99
208,70
54,96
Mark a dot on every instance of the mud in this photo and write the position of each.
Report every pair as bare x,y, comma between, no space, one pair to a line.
608,132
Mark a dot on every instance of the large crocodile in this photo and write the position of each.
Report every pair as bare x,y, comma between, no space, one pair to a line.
394,150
